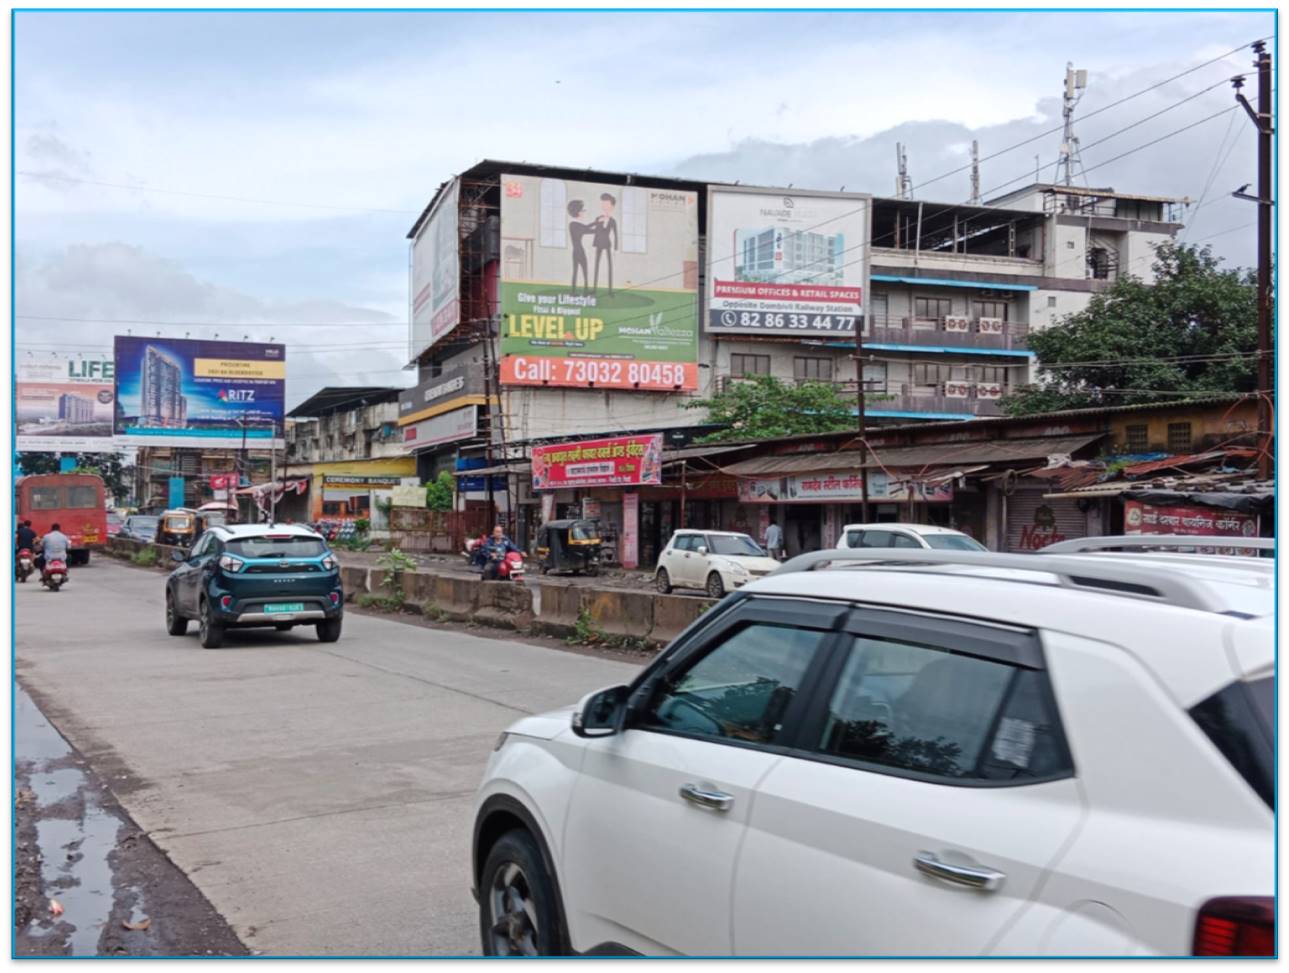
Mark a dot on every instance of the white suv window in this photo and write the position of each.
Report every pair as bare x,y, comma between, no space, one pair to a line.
914,708
686,542
741,688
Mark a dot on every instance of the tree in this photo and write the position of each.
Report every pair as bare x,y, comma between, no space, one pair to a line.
117,476
1193,331
440,493
762,407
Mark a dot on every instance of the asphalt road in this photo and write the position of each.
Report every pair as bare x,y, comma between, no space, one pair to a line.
319,796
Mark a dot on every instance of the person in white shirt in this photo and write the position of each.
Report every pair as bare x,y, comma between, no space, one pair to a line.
774,540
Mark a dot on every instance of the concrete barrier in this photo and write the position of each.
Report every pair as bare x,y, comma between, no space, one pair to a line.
558,608
616,612
672,614
354,579
504,604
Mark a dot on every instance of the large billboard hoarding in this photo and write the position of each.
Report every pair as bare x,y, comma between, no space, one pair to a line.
599,285
436,273
622,461
789,264
64,403
179,392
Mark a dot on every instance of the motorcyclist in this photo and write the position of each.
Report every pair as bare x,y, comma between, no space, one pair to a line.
25,537
495,549
53,547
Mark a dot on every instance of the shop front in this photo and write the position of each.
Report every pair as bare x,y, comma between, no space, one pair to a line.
438,415
358,489
1035,520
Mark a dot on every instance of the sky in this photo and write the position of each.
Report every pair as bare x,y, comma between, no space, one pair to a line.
255,174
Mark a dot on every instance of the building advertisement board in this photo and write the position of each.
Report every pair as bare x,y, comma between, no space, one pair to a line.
436,274
599,285
844,486
1191,521
786,263
448,427
64,403
622,461
436,394
180,392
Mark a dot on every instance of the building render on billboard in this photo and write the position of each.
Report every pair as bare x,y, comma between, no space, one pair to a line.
75,410
946,294
162,401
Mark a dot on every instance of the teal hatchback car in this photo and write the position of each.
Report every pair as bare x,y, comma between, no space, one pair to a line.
255,575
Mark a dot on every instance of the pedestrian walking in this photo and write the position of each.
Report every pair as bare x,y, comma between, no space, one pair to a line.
774,540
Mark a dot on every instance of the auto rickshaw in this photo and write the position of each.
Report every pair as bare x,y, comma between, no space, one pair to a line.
568,545
180,527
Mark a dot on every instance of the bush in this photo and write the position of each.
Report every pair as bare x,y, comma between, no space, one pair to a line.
145,558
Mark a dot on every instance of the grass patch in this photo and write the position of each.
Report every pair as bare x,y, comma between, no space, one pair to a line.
585,632
145,558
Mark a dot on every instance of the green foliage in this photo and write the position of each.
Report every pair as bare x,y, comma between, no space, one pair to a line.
440,494
389,603
1194,309
585,632
396,564
117,477
362,525
762,407
145,558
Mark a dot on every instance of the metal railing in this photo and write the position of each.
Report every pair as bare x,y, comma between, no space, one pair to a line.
911,398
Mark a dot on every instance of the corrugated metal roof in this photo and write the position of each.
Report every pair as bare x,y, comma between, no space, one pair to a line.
699,452
1188,459
916,457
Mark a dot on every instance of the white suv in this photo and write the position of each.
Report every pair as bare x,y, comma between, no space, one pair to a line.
963,754
715,561
907,535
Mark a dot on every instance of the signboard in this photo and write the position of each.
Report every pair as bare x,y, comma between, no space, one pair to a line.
436,276
64,403
787,263
448,427
629,556
624,461
599,285
1191,521
177,392
438,392
844,486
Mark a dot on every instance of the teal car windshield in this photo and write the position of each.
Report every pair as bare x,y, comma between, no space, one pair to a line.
270,547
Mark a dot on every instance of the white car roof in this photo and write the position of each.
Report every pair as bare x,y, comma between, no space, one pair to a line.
718,533
911,528
264,530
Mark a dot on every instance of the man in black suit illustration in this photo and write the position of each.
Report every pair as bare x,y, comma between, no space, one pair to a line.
605,239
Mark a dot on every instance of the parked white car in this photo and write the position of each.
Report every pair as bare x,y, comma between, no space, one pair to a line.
714,561
965,754
907,535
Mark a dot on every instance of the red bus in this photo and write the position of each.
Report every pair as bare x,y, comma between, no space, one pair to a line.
74,501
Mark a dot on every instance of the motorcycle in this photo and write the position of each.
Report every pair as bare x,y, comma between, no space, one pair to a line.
54,574
509,567
24,565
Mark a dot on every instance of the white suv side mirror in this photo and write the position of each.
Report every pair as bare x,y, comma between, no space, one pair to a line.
701,550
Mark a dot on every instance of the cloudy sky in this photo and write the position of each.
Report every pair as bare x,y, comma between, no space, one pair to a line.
256,173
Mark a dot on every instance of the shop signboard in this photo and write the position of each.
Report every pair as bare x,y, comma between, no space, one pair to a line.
787,262
439,393
436,277
847,486
599,285
621,461
447,427
63,402
1191,521
180,392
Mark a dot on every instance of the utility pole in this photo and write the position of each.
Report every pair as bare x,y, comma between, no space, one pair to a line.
863,434
1075,81
1263,121
975,171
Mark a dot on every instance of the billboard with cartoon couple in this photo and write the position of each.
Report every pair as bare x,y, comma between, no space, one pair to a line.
599,285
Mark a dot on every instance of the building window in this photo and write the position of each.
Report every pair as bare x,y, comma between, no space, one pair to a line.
991,309
875,377
1099,263
1138,438
878,311
812,369
1051,300
927,374
991,373
1179,437
554,214
635,220
742,366
931,308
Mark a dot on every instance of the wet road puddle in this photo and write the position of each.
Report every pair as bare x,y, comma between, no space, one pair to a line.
74,833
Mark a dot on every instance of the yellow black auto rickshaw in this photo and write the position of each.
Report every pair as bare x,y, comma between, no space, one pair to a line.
568,545
180,527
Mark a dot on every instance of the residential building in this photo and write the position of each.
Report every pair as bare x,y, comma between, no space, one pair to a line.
75,410
161,398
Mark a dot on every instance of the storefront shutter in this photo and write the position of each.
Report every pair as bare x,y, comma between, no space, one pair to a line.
1033,521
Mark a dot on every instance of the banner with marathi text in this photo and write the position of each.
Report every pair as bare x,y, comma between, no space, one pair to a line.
622,461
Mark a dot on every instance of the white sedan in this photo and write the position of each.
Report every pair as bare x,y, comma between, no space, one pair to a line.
714,561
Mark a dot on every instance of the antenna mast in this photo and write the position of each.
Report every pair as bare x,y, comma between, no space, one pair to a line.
903,184
975,171
1075,83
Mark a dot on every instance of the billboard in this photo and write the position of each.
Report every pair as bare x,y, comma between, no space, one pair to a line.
64,403
787,263
436,277
622,461
599,285
839,486
1191,521
180,392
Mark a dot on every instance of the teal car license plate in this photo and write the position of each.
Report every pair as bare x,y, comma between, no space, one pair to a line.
285,607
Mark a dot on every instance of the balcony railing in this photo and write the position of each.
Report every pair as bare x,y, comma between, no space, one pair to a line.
929,399
1002,335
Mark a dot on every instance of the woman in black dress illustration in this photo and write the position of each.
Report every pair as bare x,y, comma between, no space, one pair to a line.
576,231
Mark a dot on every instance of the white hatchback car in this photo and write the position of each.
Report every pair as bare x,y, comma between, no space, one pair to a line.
715,561
907,535
962,754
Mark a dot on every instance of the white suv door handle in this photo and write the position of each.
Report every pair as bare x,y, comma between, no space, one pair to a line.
712,800
971,876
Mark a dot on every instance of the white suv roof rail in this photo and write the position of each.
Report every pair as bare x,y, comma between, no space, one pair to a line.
1121,541
1105,575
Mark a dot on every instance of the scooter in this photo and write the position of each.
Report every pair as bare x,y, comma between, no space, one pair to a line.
23,565
54,574
510,567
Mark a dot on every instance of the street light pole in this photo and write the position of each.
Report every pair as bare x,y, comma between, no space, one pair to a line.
863,435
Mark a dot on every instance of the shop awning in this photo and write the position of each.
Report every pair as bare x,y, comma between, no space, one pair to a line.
976,454
993,285
690,453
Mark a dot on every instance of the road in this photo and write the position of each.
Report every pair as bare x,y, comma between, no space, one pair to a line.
319,796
